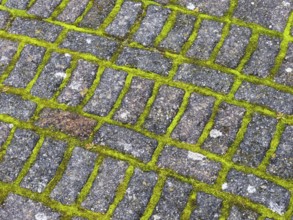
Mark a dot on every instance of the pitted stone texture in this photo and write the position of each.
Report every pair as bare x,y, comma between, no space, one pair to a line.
45,166
256,141
267,96
151,25
164,109
137,196
282,162
80,81
4,18
17,153
51,76
125,18
16,106
34,28
18,4
207,207
194,119
126,141
72,11
163,2
258,190
189,164
75,176
26,66
238,213
44,8
179,33
103,190
4,132
263,58
234,46
107,92
173,200
271,14
226,125
7,50
135,100
20,208
208,36
145,60
204,77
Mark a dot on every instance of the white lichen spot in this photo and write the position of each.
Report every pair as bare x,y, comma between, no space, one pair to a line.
252,3
124,115
156,217
276,208
251,189
195,156
190,6
225,186
60,74
41,216
10,125
67,55
88,40
288,70
215,133
286,4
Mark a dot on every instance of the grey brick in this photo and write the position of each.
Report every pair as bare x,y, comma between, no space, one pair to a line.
126,141
7,50
4,132
18,4
238,213
4,18
189,164
72,11
44,8
17,153
194,119
75,176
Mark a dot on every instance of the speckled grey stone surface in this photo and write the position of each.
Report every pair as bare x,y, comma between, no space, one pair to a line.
7,50
18,4
44,8
72,11
4,18
238,213
4,132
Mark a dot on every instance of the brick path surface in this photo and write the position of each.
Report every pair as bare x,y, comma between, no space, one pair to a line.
133,109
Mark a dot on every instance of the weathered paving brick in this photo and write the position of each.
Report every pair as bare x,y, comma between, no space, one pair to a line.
103,190
234,46
194,119
125,18
189,164
88,43
18,4
4,18
17,107
151,25
67,122
256,141
207,207
4,132
267,96
281,163
135,100
173,200
179,33
107,92
44,8
263,58
126,141
164,109
226,125
145,60
51,76
204,77
258,190
45,166
72,11
75,176
35,28
137,196
238,213
208,36
7,50
80,81
17,153
17,207
26,66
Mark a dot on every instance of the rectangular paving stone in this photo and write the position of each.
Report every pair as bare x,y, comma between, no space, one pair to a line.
239,213
18,4
16,106
75,176
4,132
258,190
137,196
234,46
7,50
208,36
17,153
45,166
44,8
226,125
80,81
135,100
26,66
172,200
256,141
87,43
194,119
145,60
267,96
126,141
189,164
204,77
72,11
164,109
51,76
4,18
107,92
103,191
36,29
125,18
